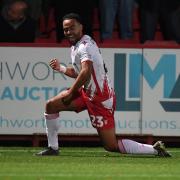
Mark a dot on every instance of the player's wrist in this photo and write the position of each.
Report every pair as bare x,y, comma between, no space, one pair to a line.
62,69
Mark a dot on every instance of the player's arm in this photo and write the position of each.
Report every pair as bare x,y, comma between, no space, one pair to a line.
69,71
82,78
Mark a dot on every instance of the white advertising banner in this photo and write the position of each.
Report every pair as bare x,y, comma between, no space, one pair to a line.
27,82
146,82
161,92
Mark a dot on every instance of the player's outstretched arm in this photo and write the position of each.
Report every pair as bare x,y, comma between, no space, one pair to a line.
69,71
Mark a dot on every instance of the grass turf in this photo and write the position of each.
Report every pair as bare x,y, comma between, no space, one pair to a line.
85,164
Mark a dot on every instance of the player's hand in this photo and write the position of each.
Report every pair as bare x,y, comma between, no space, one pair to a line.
55,64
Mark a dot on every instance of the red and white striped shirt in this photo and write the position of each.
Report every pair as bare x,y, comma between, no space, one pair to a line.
98,88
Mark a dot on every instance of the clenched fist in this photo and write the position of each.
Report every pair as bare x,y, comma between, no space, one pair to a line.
55,64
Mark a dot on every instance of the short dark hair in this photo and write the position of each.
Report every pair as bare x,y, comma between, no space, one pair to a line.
73,16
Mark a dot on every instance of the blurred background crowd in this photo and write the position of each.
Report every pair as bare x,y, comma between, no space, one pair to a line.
32,20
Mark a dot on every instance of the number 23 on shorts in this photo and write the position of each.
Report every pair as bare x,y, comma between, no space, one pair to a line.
97,121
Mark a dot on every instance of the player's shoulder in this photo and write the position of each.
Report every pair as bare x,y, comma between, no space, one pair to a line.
86,42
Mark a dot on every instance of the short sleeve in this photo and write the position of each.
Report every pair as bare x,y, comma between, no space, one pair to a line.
85,53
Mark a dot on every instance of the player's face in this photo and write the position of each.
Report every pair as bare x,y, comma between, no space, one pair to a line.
72,30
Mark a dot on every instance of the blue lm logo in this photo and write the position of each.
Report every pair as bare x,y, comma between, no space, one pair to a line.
138,66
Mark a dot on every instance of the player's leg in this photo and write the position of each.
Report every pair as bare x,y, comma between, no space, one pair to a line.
51,115
108,139
55,104
103,120
127,146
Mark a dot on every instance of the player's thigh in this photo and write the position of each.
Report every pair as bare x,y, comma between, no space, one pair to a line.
56,104
108,138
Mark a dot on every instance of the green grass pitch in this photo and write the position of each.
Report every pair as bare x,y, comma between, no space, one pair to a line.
86,163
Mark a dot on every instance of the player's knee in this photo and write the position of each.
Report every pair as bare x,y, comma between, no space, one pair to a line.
49,107
110,148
